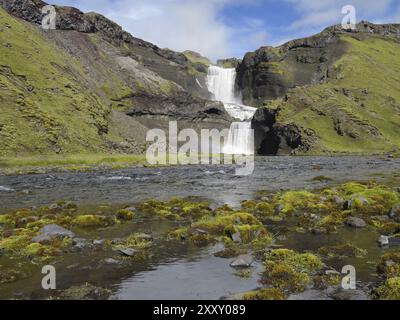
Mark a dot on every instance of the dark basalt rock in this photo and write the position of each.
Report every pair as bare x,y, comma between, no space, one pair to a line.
269,73
272,138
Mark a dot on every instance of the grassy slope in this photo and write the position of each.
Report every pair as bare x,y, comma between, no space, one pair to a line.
359,110
44,106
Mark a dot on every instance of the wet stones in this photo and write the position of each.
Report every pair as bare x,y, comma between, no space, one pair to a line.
236,237
79,244
386,241
51,232
383,241
350,204
111,261
128,252
394,213
356,223
338,200
243,261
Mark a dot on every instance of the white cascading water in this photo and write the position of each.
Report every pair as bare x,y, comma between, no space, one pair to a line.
221,83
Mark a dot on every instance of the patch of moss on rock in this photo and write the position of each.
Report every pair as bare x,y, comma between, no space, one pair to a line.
390,290
346,250
290,271
265,295
93,221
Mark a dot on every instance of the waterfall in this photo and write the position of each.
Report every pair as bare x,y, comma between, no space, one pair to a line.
221,83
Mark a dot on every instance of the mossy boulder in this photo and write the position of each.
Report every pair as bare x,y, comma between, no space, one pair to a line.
346,250
389,265
290,271
93,221
265,294
390,290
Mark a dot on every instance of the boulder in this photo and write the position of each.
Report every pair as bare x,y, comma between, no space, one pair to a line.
356,223
54,230
383,241
129,252
243,261
50,232
394,213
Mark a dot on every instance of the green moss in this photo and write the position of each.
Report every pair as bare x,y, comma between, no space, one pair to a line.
390,290
245,274
17,242
290,271
301,262
175,209
297,200
389,265
46,100
92,221
85,292
265,294
80,162
342,251
355,111
195,58
134,241
284,277
219,223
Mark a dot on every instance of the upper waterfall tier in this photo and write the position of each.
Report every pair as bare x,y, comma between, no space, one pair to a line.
221,83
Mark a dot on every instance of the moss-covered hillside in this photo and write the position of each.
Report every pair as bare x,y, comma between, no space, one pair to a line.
89,87
44,104
349,103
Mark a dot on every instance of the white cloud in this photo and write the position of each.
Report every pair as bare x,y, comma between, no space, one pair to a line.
176,24
318,14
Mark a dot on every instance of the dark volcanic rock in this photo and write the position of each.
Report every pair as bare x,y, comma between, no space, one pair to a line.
272,138
269,73
229,63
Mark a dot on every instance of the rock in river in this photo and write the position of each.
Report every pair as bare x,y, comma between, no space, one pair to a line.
243,261
51,231
356,223
129,252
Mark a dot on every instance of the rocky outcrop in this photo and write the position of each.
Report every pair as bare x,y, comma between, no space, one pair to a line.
229,63
269,72
273,138
326,93
109,87
171,65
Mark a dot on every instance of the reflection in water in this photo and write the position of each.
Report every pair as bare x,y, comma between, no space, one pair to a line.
202,278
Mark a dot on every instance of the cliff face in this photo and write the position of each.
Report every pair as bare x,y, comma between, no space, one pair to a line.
89,86
335,92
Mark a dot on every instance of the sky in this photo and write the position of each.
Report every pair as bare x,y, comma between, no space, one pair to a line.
230,28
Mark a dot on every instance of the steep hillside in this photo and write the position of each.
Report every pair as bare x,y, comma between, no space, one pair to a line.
89,86
336,92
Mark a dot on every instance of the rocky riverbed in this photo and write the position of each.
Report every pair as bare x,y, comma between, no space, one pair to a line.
272,239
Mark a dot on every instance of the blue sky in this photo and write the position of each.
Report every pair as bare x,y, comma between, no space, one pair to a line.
230,28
